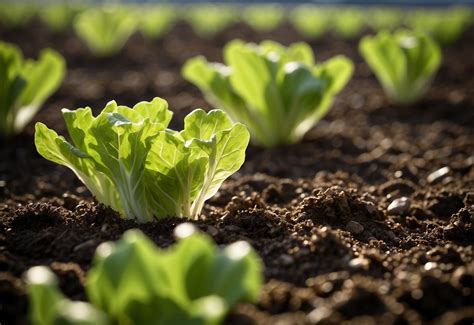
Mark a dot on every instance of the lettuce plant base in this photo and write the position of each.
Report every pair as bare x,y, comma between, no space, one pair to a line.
317,212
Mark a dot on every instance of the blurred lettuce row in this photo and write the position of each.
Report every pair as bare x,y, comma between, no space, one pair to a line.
404,62
155,20
105,29
134,282
58,17
16,14
446,27
25,85
278,92
263,18
208,20
132,162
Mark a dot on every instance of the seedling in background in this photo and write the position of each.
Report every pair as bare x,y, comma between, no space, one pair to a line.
385,19
310,21
446,26
59,17
208,20
25,85
348,23
278,92
155,21
15,15
105,30
131,162
404,62
263,18
134,282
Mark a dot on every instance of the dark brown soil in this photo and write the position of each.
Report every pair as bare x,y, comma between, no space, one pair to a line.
317,212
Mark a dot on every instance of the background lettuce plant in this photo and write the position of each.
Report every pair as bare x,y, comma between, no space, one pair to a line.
25,85
208,20
59,16
278,92
263,18
16,14
446,26
131,162
134,282
310,21
105,29
155,21
404,62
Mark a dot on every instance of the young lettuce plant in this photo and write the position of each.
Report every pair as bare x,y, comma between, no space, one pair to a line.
59,16
25,85
404,62
134,282
278,92
263,18
446,26
130,161
16,14
105,30
348,23
310,21
155,21
208,20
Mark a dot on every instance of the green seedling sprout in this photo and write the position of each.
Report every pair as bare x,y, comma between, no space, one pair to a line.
25,85
134,282
278,92
404,62
131,161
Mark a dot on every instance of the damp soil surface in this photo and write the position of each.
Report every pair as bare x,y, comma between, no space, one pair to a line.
368,220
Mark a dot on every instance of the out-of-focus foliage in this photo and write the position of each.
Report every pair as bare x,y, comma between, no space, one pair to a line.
131,161
25,85
310,21
404,62
446,26
263,18
59,16
155,20
208,20
348,23
278,92
133,282
385,18
105,29
15,14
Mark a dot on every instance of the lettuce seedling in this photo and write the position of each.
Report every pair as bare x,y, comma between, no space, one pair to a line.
263,18
14,14
131,162
278,92
384,18
134,282
404,62
106,29
310,21
59,16
155,21
25,85
446,26
208,20
348,23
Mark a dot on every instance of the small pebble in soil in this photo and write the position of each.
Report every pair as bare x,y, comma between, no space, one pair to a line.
438,175
359,263
354,227
399,206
